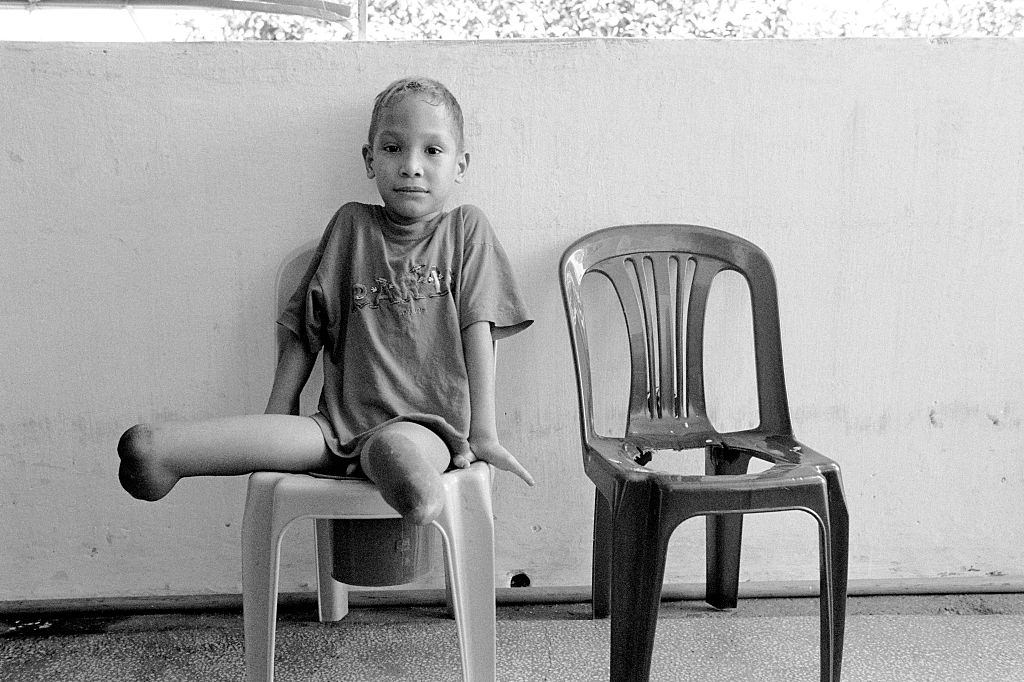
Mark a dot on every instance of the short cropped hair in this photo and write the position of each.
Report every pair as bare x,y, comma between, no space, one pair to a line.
429,90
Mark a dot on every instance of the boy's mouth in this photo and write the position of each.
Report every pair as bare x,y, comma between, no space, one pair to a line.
412,190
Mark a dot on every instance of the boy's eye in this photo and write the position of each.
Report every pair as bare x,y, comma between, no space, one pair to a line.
434,150
390,148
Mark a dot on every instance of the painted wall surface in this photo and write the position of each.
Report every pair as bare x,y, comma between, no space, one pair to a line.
149,193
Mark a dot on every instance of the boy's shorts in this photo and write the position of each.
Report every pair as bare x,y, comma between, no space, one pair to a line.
346,456
343,465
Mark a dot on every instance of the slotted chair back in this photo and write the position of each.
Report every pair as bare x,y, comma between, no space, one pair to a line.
662,275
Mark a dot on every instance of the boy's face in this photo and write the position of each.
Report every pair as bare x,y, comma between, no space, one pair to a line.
415,160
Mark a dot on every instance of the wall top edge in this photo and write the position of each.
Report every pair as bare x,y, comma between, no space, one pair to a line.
859,42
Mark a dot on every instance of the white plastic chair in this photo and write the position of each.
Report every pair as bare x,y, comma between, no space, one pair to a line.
276,500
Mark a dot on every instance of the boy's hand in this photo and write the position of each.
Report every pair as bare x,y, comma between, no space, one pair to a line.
494,453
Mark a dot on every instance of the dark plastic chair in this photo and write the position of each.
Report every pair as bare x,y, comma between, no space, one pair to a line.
636,509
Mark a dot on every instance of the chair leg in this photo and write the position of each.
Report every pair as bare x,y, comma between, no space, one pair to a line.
331,595
826,589
467,529
600,585
638,557
724,541
830,512
261,542
449,602
724,535
839,548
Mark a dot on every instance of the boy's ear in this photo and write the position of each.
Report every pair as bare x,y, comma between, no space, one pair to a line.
368,160
463,164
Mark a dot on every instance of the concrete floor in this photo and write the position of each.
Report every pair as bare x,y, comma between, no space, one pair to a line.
947,638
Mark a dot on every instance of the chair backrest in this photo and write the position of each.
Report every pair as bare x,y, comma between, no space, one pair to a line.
662,275
288,278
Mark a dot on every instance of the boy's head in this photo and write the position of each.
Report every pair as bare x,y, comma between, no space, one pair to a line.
426,89
415,150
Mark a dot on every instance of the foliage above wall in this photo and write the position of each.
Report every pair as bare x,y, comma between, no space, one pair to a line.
501,19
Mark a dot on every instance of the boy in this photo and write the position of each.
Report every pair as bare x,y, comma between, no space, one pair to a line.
405,300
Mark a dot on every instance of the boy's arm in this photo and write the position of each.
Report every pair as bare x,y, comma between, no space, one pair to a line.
294,364
478,347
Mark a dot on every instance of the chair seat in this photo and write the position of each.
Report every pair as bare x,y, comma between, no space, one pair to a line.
323,497
794,466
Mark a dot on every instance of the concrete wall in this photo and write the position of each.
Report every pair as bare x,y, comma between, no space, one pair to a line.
148,194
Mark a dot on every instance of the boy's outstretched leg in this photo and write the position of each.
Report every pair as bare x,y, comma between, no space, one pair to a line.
155,456
406,461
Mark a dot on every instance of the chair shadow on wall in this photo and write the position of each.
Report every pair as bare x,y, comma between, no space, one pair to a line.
662,276
277,500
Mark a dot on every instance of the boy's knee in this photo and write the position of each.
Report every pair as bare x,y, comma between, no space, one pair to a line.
406,461
136,442
390,441
141,473
409,441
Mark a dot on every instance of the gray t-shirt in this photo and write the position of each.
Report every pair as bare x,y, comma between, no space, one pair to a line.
388,309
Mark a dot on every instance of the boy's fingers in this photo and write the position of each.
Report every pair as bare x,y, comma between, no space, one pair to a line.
519,470
463,460
464,457
525,475
503,460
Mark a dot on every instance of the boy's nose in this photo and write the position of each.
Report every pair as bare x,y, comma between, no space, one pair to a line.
411,166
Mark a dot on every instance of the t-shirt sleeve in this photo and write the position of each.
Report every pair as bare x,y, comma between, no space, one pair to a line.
489,290
307,311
